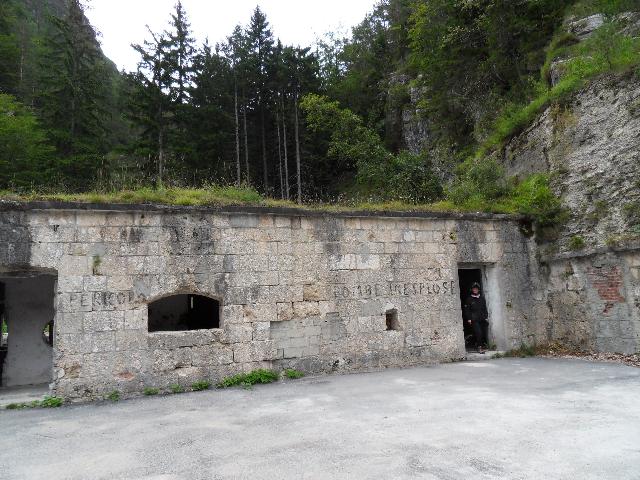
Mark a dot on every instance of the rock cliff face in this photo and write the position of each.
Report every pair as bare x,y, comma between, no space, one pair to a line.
589,274
591,147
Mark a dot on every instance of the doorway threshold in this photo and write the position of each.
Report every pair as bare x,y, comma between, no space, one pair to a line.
473,356
22,394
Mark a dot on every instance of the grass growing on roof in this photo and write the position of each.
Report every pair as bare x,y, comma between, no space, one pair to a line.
212,195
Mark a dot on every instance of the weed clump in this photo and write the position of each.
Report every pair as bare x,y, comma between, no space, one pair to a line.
201,385
293,374
523,351
114,396
51,402
247,380
151,391
175,388
576,243
46,402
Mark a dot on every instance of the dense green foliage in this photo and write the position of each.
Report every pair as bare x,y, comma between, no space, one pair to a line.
352,145
606,51
481,186
498,44
24,151
52,65
292,123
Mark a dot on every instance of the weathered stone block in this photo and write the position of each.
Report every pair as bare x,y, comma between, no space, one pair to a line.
305,309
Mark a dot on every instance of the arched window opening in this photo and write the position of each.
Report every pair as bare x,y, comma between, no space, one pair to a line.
184,312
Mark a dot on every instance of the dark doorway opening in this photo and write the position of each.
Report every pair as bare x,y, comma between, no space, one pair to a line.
466,278
184,312
4,331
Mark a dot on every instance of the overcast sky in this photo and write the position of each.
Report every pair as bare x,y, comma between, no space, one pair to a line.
297,22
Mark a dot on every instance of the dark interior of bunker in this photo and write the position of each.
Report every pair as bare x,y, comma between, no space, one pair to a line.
467,277
184,312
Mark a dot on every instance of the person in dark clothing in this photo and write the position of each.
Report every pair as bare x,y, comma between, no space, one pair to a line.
476,315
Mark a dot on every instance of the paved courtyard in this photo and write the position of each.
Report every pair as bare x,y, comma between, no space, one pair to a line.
500,419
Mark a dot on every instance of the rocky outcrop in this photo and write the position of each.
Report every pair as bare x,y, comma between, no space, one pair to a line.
591,148
590,275
589,271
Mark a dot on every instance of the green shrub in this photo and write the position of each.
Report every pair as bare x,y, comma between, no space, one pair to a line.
352,145
576,243
51,402
632,212
175,388
16,406
248,379
293,374
151,391
201,385
114,396
533,197
478,182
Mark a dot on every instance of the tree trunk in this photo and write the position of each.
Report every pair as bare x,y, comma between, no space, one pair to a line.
246,143
286,156
264,152
235,111
297,133
160,157
279,155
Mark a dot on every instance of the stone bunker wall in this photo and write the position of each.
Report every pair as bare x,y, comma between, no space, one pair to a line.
297,289
594,300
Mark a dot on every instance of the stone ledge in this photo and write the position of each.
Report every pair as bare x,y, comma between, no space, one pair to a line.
11,205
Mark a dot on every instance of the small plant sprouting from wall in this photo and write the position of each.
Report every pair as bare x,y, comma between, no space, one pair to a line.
632,212
576,243
151,391
247,380
175,388
114,396
95,267
201,385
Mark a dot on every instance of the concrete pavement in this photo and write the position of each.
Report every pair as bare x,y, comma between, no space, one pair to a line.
502,419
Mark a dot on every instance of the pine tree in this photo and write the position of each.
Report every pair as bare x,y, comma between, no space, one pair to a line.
73,94
260,44
150,102
180,50
9,49
235,51
210,125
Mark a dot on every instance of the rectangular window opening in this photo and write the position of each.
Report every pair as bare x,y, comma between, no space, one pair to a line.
391,317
